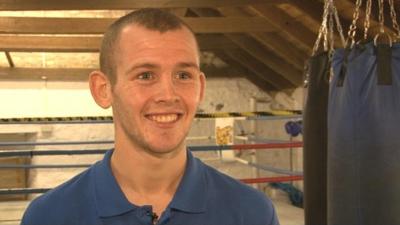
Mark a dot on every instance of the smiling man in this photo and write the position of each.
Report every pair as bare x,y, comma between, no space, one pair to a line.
150,76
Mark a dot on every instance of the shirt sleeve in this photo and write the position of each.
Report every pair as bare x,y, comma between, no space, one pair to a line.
36,214
274,217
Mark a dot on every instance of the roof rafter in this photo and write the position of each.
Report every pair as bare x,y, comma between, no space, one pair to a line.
260,69
36,25
122,4
286,25
277,64
255,78
34,43
283,70
273,42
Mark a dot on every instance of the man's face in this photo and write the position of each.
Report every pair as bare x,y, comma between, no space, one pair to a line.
159,86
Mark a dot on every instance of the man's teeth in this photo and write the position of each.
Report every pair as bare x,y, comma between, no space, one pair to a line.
164,118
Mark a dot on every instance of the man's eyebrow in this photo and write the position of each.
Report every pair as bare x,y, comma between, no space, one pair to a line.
155,66
187,64
141,66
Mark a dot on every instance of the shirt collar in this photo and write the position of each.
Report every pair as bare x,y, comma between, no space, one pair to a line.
189,197
110,200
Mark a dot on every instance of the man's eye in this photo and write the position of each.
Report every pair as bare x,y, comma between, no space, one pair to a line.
183,75
145,76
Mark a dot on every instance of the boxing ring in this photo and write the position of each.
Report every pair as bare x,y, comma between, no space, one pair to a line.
227,152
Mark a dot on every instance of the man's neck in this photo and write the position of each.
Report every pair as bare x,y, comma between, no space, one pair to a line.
145,178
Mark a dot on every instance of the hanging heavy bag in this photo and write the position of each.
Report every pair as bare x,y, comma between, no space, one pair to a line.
315,140
315,120
363,143
363,128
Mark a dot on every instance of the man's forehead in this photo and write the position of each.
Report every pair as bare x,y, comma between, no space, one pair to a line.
135,30
136,36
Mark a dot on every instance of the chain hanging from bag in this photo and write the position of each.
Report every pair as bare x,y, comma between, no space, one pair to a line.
382,23
330,17
394,19
326,31
367,18
353,27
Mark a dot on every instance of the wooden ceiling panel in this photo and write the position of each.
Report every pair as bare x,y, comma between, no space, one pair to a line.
272,41
260,69
279,52
55,59
35,43
279,65
285,50
35,25
257,80
50,74
312,17
265,40
123,4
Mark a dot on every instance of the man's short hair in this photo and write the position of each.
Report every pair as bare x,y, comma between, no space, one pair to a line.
150,18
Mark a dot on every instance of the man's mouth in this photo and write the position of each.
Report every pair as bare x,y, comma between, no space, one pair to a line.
164,118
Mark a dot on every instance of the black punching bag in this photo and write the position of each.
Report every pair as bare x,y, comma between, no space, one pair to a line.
315,140
364,136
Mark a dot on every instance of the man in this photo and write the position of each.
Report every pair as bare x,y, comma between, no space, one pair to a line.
150,75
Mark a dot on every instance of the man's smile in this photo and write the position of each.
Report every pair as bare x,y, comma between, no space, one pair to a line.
164,117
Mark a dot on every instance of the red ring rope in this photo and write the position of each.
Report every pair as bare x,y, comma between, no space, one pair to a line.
268,145
271,179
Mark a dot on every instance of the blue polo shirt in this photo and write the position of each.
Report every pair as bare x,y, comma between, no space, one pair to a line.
204,197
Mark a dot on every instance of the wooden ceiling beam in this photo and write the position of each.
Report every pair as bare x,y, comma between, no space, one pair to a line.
287,26
345,9
275,63
314,10
286,50
272,41
260,82
242,57
181,12
35,25
212,72
122,4
260,69
31,43
50,74
214,41
81,74
34,43
9,59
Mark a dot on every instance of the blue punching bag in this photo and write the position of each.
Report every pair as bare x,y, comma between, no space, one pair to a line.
363,136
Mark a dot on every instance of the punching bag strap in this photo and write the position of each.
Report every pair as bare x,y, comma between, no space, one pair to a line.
383,51
350,42
343,68
384,64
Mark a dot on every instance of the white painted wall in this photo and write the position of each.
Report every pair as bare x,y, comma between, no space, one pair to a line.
41,99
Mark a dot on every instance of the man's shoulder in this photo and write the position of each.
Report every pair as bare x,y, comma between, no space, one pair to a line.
57,205
219,181
252,204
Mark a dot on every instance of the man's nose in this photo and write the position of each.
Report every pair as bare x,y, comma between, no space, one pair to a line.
167,90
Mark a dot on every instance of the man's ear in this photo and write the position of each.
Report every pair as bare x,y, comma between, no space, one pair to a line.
202,86
100,87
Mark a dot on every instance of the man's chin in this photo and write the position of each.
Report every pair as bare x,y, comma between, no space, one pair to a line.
163,151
